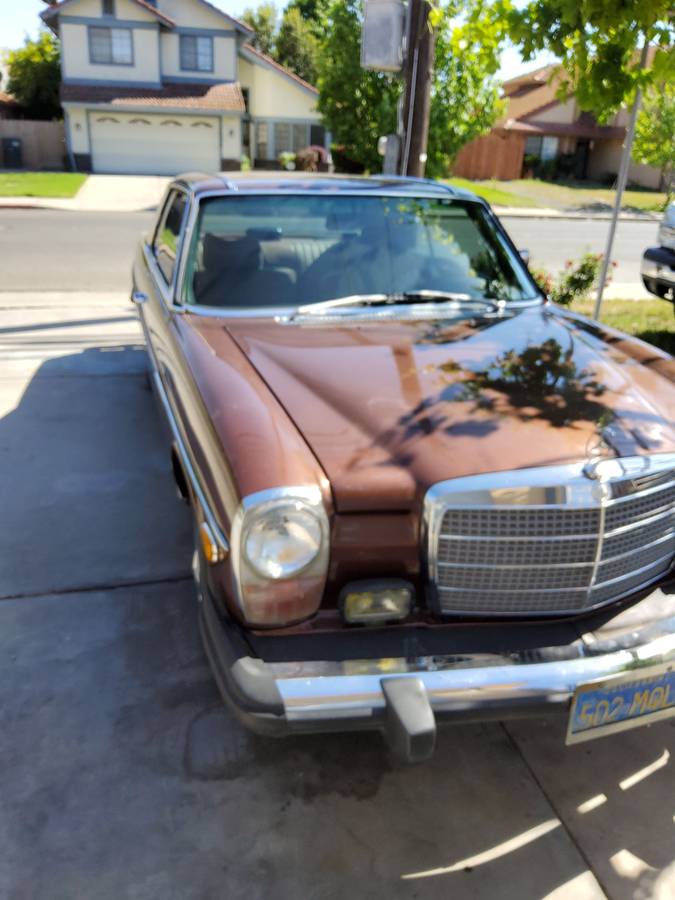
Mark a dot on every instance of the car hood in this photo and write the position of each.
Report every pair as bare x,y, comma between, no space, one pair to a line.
391,407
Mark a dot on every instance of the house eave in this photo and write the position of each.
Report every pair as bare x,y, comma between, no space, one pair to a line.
154,110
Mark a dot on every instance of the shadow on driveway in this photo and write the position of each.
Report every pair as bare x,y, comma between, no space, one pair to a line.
122,774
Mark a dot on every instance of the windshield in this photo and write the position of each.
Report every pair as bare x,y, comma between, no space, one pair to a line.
285,251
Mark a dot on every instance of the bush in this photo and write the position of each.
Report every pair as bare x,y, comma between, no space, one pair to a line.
287,160
307,160
575,282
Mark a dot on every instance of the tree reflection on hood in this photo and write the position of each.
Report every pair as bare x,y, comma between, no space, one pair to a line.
541,381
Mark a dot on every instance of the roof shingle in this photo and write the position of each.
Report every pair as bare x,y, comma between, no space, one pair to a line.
225,96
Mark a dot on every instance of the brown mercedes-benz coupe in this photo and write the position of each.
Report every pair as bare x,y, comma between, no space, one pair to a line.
420,490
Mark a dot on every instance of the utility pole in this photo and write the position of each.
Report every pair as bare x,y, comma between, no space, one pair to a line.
620,185
419,65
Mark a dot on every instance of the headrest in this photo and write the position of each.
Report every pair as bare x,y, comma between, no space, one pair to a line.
230,253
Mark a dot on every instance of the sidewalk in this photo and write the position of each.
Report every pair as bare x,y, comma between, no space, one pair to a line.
526,212
137,193
102,193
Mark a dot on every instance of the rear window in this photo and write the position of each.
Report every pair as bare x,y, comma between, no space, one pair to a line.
283,251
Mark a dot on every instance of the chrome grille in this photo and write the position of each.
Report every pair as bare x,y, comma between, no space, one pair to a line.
551,540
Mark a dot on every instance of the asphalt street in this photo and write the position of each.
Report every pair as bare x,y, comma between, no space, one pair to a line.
123,777
54,250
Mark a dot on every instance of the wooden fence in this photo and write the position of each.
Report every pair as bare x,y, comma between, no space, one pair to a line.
497,155
43,144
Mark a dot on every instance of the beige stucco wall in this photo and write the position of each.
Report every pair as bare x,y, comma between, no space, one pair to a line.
562,113
193,14
76,122
75,56
274,96
606,158
124,9
230,137
224,58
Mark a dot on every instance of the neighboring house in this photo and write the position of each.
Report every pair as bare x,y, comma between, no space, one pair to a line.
163,86
539,126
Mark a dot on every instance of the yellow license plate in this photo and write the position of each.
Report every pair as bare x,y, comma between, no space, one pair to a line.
634,698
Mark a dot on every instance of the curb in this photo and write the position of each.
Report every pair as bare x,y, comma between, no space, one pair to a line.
508,212
504,212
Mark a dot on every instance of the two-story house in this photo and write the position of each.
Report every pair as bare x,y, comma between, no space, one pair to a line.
538,125
163,86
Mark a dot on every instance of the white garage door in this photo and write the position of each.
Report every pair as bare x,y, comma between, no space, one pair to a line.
154,145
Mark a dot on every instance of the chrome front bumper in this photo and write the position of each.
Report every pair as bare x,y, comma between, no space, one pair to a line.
403,698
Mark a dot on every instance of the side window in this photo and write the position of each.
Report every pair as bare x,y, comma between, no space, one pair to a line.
165,245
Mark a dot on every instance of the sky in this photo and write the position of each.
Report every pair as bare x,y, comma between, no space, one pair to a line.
19,18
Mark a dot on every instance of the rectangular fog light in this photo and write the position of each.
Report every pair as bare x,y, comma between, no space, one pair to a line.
376,602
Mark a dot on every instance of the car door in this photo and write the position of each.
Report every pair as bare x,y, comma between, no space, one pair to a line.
156,305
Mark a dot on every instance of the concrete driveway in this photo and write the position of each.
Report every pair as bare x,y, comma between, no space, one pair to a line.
121,774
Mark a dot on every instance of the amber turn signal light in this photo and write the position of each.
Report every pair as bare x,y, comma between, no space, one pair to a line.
212,551
376,602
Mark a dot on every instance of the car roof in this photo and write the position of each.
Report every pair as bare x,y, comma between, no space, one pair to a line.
303,182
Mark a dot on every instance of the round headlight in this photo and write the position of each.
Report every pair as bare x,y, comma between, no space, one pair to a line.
283,541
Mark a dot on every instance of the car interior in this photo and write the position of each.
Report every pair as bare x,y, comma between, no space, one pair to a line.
296,262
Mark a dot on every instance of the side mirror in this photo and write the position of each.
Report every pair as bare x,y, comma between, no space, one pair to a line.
525,256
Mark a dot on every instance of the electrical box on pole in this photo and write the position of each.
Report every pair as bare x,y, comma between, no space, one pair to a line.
383,35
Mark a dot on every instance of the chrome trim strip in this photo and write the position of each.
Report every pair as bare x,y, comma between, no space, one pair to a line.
465,590
324,692
651,565
661,540
633,526
186,460
567,590
489,567
478,567
538,538
230,186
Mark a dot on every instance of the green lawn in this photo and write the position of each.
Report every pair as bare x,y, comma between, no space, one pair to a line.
492,191
582,195
40,184
651,320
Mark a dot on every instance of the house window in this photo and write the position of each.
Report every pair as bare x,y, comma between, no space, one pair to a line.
261,140
110,46
196,53
282,138
549,148
274,138
108,7
533,146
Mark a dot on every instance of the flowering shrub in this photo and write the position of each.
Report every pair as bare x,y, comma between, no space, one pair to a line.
575,282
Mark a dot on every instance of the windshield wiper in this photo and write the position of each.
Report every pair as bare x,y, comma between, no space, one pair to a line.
403,297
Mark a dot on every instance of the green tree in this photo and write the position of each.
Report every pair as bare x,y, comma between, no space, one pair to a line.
465,97
358,105
313,12
263,20
34,76
598,43
296,45
655,134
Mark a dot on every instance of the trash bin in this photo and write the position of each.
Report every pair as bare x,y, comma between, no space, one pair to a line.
12,153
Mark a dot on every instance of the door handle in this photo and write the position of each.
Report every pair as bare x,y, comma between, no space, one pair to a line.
139,298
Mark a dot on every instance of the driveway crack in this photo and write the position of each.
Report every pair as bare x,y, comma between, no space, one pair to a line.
103,586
